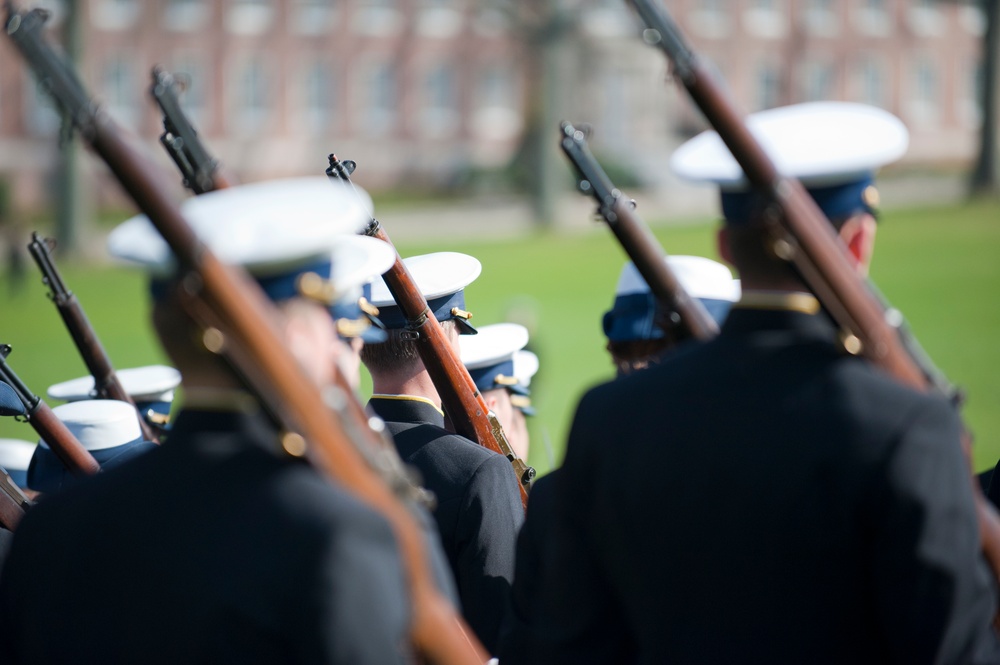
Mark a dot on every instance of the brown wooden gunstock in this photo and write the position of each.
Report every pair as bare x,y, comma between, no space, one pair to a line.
244,318
13,502
805,237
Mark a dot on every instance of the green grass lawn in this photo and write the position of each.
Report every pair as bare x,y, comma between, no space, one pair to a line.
938,265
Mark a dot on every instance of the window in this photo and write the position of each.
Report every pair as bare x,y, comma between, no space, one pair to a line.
43,117
119,87
313,17
818,81
768,86
972,17
378,86
925,18
820,18
439,19
971,76
923,104
114,15
249,17
252,95
185,15
872,18
377,18
872,82
767,19
320,97
497,115
439,116
711,18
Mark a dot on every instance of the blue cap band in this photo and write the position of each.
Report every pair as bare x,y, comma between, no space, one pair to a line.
394,319
47,473
836,201
633,317
485,377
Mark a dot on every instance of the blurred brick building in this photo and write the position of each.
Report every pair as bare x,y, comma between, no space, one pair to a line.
426,90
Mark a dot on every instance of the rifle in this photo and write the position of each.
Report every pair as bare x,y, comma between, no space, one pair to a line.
636,239
52,430
237,317
802,234
200,170
106,383
462,400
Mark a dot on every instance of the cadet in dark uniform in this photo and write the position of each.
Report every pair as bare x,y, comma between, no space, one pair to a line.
805,507
636,341
216,547
478,503
489,356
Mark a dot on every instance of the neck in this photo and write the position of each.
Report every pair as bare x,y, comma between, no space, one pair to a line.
417,383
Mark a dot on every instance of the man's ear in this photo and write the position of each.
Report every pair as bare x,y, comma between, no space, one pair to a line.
858,233
722,242
491,402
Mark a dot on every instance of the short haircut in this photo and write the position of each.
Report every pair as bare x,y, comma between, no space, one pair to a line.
395,354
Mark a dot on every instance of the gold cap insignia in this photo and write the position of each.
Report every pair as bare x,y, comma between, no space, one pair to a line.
871,197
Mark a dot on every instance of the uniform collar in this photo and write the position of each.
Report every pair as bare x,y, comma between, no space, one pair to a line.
779,317
790,301
406,409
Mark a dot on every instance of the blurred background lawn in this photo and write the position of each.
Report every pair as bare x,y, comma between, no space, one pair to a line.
938,265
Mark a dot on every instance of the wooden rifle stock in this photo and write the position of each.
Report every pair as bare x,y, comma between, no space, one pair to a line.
249,341
202,173
636,239
106,383
462,400
13,503
48,426
804,236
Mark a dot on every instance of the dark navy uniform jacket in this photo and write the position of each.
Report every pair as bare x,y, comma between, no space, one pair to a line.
517,634
763,498
210,549
478,509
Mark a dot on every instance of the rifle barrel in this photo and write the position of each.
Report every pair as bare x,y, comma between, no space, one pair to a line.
635,237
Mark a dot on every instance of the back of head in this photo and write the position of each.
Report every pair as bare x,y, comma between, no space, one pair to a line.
441,278
286,234
637,328
833,148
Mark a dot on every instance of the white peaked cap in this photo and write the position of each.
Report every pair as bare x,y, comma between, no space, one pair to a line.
525,367
100,423
143,384
819,143
436,275
700,277
494,344
15,454
357,260
265,227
